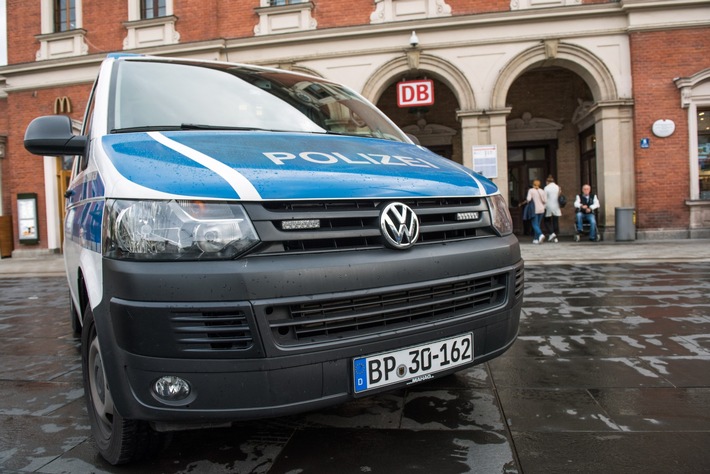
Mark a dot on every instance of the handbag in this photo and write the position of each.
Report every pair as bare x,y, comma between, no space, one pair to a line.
562,200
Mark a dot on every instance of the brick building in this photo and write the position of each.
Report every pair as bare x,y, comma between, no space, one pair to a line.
615,93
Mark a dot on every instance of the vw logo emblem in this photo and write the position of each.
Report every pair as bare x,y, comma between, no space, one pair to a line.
399,225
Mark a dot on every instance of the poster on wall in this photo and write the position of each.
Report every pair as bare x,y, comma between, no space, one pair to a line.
485,160
27,218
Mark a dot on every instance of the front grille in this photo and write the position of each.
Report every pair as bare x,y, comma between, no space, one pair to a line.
348,225
215,330
367,314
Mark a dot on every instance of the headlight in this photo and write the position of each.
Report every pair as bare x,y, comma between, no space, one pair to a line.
500,216
176,230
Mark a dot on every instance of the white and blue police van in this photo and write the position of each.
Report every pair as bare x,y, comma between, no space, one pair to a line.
244,242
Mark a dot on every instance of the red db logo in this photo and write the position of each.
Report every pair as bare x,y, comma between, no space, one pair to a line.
415,93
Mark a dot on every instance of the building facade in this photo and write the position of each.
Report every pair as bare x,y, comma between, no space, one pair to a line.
614,93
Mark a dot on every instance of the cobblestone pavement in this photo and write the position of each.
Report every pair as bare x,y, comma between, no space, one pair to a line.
610,373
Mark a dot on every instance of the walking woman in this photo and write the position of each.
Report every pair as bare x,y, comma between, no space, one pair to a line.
538,197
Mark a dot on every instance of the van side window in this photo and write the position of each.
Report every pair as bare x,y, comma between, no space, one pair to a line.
86,127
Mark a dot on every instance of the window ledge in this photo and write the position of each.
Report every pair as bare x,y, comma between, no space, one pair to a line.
285,19
402,10
158,31
61,45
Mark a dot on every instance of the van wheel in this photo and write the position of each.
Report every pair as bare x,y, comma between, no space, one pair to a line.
118,439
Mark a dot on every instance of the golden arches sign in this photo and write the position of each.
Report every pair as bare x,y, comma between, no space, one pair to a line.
62,105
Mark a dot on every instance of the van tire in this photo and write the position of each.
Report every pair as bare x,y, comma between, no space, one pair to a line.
119,440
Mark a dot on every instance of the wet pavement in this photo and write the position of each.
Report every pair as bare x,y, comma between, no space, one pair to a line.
610,373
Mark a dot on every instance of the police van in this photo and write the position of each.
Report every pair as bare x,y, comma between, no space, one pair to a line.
244,242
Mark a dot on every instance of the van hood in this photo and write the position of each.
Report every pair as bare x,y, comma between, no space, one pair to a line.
286,166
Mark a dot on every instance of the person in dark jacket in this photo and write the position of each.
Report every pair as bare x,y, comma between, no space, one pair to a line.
586,205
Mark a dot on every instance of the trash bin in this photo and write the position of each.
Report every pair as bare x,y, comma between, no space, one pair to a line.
625,223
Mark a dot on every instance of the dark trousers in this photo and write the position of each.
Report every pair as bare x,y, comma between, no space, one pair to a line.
552,225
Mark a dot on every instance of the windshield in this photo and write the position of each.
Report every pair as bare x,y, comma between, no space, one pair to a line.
174,96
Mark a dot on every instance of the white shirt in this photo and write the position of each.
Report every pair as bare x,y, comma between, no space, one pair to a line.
552,206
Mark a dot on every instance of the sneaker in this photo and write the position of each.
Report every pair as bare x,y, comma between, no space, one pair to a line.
536,241
555,240
542,238
576,238
552,237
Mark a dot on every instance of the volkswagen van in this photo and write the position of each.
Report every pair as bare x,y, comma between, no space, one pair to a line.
244,242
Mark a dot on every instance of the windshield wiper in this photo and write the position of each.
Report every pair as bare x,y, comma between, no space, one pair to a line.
201,126
355,134
186,126
146,128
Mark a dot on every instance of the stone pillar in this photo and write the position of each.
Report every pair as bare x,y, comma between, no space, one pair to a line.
486,127
615,160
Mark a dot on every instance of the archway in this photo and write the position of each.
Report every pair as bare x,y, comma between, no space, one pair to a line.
554,53
436,127
416,62
587,129
543,138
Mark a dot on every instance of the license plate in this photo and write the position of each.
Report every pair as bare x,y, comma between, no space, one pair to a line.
413,364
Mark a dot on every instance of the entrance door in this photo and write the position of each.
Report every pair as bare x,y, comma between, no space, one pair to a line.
526,163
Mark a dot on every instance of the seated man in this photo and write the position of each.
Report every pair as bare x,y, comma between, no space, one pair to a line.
586,204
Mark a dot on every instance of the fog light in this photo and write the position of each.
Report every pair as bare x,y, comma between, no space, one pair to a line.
301,224
171,388
466,216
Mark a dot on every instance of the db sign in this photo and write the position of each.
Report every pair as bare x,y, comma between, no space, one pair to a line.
415,93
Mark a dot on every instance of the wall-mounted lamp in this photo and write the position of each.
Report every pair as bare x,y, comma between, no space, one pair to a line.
414,40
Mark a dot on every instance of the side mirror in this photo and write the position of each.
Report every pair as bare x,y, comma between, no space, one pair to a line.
52,135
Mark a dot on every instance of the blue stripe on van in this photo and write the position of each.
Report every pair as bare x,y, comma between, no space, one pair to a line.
84,224
148,163
89,186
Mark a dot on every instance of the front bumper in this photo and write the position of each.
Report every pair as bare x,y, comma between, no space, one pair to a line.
232,330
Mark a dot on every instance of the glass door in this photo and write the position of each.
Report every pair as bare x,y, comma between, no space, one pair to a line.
526,163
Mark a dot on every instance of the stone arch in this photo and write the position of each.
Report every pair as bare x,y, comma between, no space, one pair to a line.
609,114
553,53
436,67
